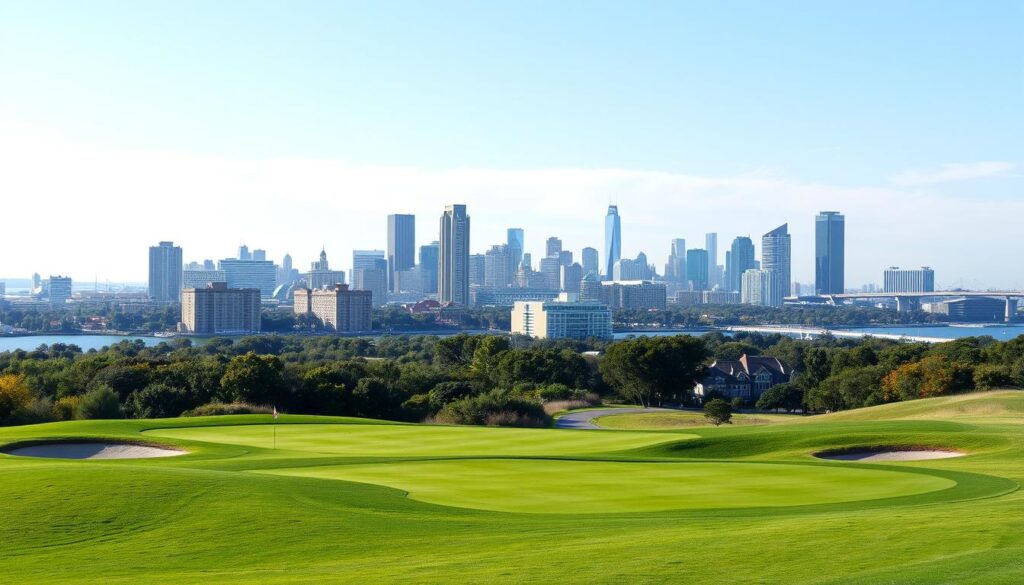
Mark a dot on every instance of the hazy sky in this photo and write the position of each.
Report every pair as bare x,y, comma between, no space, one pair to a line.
291,125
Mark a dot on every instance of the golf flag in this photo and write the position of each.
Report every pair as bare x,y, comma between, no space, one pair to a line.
275,413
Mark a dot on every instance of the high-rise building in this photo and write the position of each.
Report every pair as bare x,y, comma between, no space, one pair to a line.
516,246
553,247
220,310
898,280
739,259
477,269
259,255
165,272
711,245
401,245
369,259
286,274
562,319
59,288
453,264
591,287
337,307
571,277
551,269
612,240
429,260
321,275
243,253
527,261
591,263
372,275
565,257
776,256
241,274
762,287
675,268
697,268
829,252
634,294
200,277
638,269
498,266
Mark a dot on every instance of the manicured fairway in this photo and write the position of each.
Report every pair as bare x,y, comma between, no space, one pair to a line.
599,487
734,504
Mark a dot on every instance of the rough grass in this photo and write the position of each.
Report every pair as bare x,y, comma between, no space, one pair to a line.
224,514
676,420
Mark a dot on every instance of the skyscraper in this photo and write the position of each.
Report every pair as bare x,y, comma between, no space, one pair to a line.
372,275
453,264
259,255
612,240
498,266
697,268
553,247
369,259
165,272
429,259
591,264
243,253
401,246
477,269
829,252
675,268
760,288
740,259
711,245
516,246
776,256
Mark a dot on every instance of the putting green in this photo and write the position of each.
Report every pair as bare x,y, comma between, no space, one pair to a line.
368,440
591,487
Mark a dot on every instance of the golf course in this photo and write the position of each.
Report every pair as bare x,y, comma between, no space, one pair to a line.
647,498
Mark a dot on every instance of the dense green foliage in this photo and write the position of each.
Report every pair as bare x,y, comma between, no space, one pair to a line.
717,411
412,378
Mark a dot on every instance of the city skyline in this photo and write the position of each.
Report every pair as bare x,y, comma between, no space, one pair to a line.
699,119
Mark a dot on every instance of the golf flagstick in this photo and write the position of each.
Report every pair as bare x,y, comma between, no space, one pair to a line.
275,427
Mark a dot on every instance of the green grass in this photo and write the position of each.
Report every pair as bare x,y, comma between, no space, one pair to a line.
344,500
677,420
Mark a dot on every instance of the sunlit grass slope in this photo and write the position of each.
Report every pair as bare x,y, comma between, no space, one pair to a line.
351,501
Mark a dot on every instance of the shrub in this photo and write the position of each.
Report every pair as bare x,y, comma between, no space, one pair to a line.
718,412
496,408
100,402
14,394
219,408
586,401
66,407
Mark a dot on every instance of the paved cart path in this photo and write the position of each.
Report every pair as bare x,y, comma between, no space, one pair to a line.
581,419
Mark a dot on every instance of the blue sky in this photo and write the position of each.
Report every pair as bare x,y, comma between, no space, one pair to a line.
743,114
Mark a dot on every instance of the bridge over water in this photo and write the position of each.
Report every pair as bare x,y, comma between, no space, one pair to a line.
910,301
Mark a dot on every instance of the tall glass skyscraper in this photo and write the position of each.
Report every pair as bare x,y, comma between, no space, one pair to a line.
165,272
429,259
401,246
453,265
697,268
776,256
829,252
612,240
740,259
516,246
590,261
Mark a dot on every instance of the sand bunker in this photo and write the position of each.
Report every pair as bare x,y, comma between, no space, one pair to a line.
894,454
93,450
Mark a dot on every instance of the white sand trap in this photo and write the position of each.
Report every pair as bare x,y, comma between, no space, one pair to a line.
890,455
83,450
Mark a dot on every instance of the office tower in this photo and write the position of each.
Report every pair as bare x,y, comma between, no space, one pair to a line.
338,308
516,243
243,253
899,280
259,255
401,245
372,275
165,272
321,275
675,268
776,256
590,287
453,264
571,277
498,266
612,240
634,294
477,269
59,290
241,274
829,252
626,269
287,262
286,274
553,247
565,257
562,320
739,259
209,265
711,245
429,259
590,261
199,277
527,261
762,287
220,310
551,270
37,283
697,269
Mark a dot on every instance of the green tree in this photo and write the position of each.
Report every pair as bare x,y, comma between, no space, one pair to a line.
788,397
646,368
718,412
100,402
253,378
